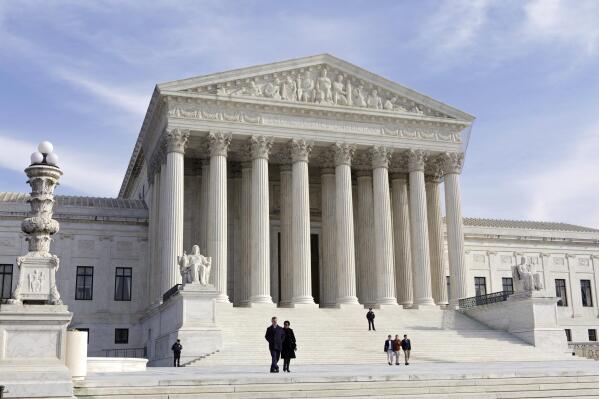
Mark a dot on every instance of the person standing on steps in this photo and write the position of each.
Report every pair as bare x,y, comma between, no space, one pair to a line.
289,346
389,349
370,318
406,345
275,336
397,348
177,348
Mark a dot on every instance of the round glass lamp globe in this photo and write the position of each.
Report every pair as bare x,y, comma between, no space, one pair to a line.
37,157
45,147
52,159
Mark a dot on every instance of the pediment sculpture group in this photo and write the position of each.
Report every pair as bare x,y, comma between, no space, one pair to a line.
194,267
525,280
320,90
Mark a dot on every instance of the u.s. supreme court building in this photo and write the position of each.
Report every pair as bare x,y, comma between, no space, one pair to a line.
311,183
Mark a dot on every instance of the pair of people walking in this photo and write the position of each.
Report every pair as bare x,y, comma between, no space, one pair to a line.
393,348
281,343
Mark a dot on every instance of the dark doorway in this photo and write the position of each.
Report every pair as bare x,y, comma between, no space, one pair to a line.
315,263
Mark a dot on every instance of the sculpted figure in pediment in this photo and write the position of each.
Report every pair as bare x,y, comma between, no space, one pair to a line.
339,97
359,96
289,89
307,88
323,88
272,89
374,100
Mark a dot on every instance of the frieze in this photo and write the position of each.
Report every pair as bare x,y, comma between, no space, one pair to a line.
320,84
428,131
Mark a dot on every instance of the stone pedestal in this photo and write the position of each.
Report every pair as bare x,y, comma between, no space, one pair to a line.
33,350
530,316
188,315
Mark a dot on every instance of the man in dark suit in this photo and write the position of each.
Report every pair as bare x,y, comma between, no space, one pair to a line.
406,345
370,318
177,348
275,336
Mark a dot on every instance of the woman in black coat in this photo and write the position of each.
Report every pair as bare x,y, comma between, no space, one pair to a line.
289,346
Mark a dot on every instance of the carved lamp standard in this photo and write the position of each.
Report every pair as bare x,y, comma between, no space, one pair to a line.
37,269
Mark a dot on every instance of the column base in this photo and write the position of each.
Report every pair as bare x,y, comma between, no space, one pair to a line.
285,304
424,303
349,306
304,305
222,299
386,306
406,305
385,302
302,300
262,304
349,300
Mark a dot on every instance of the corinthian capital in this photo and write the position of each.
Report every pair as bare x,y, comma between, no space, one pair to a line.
260,146
176,140
218,143
300,150
453,162
380,156
416,160
344,153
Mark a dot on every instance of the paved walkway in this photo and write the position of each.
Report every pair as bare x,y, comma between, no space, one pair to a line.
307,373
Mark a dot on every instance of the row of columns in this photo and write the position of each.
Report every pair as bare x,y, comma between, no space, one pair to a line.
406,245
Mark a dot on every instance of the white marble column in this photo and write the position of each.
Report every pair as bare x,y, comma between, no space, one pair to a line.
176,140
384,257
204,199
286,255
328,297
260,221
246,204
421,273
435,236
574,283
346,262
365,253
154,260
458,275
302,259
401,238
162,284
218,146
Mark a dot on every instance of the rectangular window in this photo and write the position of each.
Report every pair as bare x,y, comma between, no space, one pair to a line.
5,281
122,284
480,286
568,335
85,283
508,284
592,334
560,292
585,289
121,335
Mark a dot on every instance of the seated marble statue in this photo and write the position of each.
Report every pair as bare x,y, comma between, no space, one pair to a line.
188,272
201,263
525,279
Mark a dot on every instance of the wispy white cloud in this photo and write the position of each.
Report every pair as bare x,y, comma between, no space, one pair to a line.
83,172
571,23
116,96
568,187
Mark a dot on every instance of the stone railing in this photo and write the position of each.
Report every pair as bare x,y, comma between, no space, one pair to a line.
590,350
494,297
174,290
121,352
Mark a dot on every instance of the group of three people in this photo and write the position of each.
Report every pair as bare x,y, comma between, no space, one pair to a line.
393,348
281,343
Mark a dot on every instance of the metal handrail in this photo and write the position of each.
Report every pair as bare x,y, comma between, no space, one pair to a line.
494,297
125,352
171,292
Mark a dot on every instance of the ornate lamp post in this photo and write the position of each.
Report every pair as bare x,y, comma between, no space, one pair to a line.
37,269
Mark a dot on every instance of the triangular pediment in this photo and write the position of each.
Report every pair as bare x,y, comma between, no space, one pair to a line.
318,80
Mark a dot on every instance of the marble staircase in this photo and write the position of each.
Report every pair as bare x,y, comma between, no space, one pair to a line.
341,336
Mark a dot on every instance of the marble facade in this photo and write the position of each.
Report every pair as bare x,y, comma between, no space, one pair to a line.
309,182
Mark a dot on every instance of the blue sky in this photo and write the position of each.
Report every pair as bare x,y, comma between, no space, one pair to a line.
81,73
